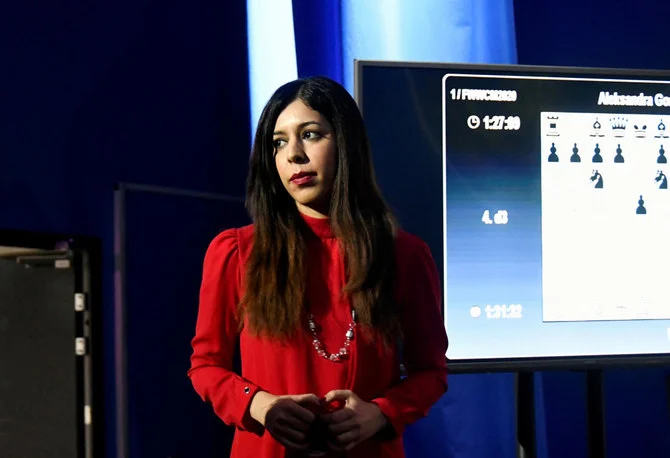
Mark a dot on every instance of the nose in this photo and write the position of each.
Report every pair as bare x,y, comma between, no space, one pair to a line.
296,152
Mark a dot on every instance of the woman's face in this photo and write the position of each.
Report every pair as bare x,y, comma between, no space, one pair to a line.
306,157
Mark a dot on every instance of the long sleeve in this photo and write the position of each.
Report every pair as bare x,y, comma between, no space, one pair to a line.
424,342
216,333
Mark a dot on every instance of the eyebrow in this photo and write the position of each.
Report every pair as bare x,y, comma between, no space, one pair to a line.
301,126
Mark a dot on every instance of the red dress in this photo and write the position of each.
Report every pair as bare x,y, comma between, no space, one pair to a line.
295,367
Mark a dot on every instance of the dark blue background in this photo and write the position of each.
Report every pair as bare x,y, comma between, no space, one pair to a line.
97,93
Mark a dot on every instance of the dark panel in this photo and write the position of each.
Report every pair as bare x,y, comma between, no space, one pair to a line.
38,368
166,238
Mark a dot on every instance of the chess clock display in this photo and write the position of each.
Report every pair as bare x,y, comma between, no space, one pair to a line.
503,311
494,122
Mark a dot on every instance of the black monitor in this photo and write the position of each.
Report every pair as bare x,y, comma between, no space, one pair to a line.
542,193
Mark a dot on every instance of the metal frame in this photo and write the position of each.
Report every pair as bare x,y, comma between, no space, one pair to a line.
498,68
120,281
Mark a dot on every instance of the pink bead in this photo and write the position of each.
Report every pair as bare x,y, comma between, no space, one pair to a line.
318,345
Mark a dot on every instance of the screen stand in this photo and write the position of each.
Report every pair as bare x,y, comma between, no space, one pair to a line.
525,415
595,408
595,418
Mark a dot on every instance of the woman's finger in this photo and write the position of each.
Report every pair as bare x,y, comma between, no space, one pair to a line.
301,446
340,395
299,413
306,399
349,437
336,429
349,442
292,435
339,416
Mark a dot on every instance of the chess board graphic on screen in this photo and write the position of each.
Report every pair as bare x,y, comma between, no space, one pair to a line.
605,217
543,198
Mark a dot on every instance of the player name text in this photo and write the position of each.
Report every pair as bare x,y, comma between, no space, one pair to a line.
483,95
639,100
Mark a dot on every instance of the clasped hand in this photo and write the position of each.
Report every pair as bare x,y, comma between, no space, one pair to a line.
289,419
352,424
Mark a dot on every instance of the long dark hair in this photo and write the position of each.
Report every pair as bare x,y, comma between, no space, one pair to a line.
274,299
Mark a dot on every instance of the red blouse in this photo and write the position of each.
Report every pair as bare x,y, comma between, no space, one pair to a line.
295,367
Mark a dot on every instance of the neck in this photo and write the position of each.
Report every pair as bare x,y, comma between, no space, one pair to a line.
313,212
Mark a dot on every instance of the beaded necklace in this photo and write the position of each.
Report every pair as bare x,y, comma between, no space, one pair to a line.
319,347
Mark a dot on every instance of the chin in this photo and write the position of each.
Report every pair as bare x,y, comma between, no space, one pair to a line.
306,196
314,203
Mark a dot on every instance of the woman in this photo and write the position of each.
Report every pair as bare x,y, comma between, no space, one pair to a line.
324,293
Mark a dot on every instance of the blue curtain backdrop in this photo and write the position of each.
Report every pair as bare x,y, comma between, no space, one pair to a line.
479,31
271,49
476,418
290,38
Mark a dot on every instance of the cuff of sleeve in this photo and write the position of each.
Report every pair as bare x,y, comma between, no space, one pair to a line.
392,414
244,393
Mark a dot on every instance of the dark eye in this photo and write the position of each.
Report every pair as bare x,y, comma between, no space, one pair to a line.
311,134
278,143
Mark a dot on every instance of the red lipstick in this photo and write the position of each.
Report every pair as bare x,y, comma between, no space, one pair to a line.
302,178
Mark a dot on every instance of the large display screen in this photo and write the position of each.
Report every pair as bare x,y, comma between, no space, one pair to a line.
543,195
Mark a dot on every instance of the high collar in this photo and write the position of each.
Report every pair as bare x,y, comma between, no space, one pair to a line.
320,226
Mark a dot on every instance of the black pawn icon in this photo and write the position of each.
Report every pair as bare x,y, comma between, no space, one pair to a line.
618,158
640,207
575,154
597,157
553,157
661,156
